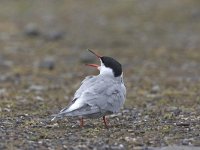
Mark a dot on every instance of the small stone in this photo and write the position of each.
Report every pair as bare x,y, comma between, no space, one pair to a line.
39,98
185,142
48,63
155,89
183,124
117,147
176,112
105,147
7,123
52,125
139,148
32,30
6,109
128,139
115,115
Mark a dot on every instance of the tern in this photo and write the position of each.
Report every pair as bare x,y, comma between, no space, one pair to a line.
99,95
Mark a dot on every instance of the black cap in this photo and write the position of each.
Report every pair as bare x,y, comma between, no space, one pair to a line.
113,64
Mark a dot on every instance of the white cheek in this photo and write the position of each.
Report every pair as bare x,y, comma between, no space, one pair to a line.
106,71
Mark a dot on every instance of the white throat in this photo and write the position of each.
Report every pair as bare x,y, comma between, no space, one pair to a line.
105,70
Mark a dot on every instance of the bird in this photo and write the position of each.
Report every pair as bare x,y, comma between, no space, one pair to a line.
100,95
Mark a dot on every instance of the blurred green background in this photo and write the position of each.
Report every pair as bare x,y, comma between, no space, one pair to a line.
133,25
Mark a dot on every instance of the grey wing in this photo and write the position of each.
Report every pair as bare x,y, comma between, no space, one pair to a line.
115,98
98,101
87,82
90,99
103,97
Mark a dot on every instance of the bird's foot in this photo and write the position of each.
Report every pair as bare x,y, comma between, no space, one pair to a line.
105,121
81,122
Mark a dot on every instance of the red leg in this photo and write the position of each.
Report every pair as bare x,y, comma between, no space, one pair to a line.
105,121
81,122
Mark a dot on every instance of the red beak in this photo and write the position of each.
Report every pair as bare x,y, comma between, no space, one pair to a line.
98,56
92,65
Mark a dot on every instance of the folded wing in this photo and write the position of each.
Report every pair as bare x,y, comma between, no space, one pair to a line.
95,98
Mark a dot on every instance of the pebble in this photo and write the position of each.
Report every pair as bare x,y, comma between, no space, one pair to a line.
39,98
52,125
183,124
111,147
47,63
185,142
141,148
117,147
155,89
7,109
7,122
31,29
115,115
175,110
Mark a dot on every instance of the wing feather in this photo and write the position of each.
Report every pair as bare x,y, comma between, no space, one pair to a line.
96,96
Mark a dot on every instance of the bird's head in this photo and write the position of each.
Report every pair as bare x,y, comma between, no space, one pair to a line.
109,66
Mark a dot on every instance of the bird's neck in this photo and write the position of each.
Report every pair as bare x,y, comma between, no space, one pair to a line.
105,71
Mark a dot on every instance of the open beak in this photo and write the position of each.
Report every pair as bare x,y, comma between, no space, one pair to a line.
98,56
92,65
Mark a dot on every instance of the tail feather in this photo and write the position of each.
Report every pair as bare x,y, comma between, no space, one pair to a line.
83,111
55,117
60,115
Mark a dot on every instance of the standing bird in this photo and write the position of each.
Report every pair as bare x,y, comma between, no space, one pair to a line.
99,95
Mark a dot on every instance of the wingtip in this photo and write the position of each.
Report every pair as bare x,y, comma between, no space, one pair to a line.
53,118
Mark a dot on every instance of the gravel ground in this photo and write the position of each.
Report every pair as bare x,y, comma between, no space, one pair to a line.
42,57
